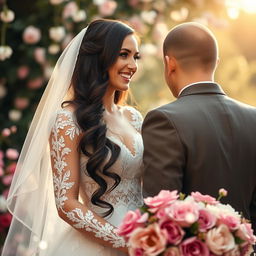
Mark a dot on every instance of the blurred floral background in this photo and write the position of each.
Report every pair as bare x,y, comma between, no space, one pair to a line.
34,33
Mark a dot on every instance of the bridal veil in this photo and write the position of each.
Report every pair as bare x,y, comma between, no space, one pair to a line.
31,196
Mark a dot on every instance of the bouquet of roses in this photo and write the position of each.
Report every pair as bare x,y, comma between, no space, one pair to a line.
170,224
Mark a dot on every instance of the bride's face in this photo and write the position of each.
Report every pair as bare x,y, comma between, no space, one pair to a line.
121,72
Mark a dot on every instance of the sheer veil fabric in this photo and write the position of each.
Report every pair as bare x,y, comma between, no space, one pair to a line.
31,196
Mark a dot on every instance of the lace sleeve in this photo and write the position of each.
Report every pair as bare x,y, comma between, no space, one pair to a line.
65,158
136,118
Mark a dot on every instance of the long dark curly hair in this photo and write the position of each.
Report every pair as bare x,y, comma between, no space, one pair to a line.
99,50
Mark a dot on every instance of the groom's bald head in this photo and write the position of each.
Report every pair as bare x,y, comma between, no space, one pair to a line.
192,45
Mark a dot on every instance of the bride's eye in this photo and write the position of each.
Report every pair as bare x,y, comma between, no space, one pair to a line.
137,57
123,54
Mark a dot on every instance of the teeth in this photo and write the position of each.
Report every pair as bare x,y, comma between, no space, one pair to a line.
126,76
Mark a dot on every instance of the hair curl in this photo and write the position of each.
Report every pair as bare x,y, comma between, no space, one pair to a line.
99,50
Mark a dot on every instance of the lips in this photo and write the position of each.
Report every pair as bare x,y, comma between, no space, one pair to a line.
126,76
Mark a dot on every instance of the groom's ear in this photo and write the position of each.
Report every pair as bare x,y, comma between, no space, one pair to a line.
170,64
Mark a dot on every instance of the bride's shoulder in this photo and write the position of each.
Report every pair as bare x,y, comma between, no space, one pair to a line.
134,116
132,112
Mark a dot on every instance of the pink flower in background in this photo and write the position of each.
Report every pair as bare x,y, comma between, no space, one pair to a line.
163,199
172,251
174,232
11,168
35,83
6,132
138,24
107,8
70,10
39,55
5,193
21,103
1,158
133,3
152,240
183,212
206,220
132,220
7,16
5,220
223,192
13,128
22,72
220,240
12,154
231,221
204,198
1,171
194,247
7,179
31,35
245,232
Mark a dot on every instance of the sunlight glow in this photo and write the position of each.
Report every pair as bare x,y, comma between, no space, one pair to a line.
234,6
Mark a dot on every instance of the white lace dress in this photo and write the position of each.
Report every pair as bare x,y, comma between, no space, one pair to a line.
68,241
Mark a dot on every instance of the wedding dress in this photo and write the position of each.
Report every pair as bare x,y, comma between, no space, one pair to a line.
66,240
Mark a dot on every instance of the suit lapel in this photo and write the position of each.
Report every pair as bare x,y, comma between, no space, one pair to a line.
202,88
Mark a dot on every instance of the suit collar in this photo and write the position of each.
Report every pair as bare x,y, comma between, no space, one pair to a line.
202,88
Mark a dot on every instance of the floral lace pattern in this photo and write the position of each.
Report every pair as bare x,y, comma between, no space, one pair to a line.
136,118
61,176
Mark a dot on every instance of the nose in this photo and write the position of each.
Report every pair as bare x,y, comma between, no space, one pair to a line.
132,64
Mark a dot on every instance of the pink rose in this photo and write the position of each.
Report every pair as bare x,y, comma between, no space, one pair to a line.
193,247
35,83
107,8
1,171
12,154
223,192
31,35
183,212
172,251
11,168
136,252
6,132
174,232
152,240
231,221
7,180
70,10
206,220
22,72
163,199
21,103
245,232
203,198
220,240
5,220
132,220
5,193
246,249
39,55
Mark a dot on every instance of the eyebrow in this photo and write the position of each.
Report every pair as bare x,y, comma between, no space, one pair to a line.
125,49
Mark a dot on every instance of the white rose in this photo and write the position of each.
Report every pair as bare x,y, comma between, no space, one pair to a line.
57,33
53,49
5,52
56,2
7,16
15,115
220,240
3,205
79,16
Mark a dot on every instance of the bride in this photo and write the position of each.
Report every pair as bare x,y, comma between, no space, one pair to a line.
70,192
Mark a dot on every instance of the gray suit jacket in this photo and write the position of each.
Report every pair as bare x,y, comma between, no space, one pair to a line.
203,141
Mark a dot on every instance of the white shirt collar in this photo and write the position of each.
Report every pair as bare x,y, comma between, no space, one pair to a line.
201,82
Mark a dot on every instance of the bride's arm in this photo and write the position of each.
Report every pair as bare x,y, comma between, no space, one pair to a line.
65,158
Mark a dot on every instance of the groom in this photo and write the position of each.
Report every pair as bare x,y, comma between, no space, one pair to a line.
204,140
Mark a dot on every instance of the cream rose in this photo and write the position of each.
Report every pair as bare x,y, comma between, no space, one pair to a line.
220,240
